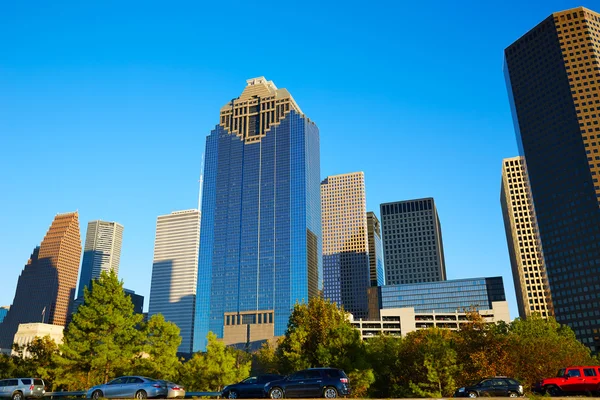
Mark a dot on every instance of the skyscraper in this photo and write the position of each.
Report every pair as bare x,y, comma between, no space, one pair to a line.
346,275
260,240
102,251
377,274
175,271
553,82
47,284
412,241
522,237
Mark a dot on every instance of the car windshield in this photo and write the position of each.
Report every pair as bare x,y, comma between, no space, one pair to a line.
561,373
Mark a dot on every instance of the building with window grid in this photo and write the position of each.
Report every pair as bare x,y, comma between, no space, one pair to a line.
553,80
412,242
451,296
260,236
175,272
47,284
524,247
346,270
102,251
377,273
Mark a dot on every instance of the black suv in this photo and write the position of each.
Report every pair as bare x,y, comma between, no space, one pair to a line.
497,386
250,387
314,382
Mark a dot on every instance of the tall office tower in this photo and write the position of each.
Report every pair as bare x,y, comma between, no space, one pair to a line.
102,252
522,237
346,275
3,312
412,241
377,274
553,81
48,281
260,240
175,272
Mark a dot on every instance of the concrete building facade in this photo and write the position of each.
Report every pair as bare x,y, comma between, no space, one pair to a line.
412,242
522,237
346,269
175,272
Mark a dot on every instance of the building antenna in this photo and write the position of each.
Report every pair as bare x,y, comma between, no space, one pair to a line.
201,181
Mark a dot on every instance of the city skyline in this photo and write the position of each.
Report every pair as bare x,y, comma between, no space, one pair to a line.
151,101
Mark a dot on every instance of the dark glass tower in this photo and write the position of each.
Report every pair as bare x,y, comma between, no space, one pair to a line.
260,237
553,80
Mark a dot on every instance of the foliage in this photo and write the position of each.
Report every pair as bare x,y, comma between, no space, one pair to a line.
264,360
218,366
102,338
158,356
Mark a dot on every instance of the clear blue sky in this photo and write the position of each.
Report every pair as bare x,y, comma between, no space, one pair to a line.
105,106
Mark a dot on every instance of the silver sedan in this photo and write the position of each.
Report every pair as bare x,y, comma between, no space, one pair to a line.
138,387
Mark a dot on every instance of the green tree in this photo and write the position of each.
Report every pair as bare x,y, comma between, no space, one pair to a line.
539,347
218,366
102,338
158,356
41,353
392,361
319,334
7,366
264,360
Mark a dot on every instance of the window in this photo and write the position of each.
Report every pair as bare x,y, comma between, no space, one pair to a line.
133,379
250,380
313,374
26,381
589,372
573,373
298,376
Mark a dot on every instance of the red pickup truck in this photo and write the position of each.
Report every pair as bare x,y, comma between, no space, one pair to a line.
572,380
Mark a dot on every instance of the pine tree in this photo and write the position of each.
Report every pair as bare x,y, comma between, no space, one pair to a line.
102,338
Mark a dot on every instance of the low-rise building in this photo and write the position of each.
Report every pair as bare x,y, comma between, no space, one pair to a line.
27,332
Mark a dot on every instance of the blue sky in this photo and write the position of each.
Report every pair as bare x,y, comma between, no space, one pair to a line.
105,106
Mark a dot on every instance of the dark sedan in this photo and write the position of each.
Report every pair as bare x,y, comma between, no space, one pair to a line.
313,382
250,387
498,386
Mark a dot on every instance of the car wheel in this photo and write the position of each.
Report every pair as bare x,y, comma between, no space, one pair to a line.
140,394
17,396
276,393
232,394
96,395
330,393
472,394
512,394
553,390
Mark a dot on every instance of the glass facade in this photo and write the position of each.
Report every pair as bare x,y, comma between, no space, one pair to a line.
444,296
260,236
554,94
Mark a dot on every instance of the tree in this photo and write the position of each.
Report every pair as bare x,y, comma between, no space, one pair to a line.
392,361
158,357
437,369
218,366
319,334
41,353
264,360
102,338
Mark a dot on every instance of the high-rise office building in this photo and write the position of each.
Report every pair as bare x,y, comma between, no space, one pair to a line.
412,242
346,275
377,274
260,240
553,80
522,237
102,251
175,272
48,281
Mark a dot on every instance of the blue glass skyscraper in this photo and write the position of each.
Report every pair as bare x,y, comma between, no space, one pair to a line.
260,236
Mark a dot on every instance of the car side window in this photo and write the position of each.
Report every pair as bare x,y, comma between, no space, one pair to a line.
332,373
499,382
26,381
250,380
313,374
12,382
38,382
2,383
574,373
117,381
298,376
513,382
589,372
487,382
133,379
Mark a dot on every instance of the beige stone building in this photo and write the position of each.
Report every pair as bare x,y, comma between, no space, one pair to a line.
522,236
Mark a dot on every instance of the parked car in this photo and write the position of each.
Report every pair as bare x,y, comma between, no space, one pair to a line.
139,387
174,391
250,387
497,386
571,380
314,382
22,388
